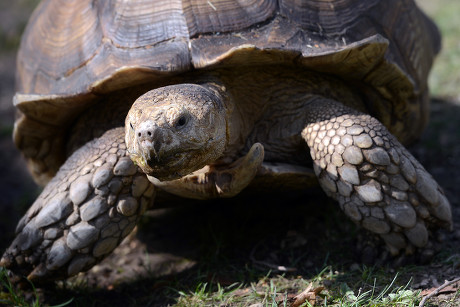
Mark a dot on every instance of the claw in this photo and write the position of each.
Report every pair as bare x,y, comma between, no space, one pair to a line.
38,273
5,262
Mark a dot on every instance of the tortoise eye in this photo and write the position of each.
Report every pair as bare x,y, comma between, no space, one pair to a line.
131,125
181,122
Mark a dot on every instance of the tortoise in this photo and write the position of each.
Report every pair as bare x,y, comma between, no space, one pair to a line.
122,103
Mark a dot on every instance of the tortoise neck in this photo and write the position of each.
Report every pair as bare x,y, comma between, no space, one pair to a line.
233,118
218,88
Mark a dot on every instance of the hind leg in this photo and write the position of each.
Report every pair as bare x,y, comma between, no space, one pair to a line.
376,181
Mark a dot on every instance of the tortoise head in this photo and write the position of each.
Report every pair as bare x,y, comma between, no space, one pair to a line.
175,130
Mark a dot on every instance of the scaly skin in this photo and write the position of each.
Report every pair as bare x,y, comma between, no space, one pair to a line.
376,181
92,203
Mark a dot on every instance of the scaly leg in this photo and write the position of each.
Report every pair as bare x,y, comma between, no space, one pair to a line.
376,181
92,203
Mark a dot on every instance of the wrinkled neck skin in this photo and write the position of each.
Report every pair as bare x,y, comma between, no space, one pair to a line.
175,130
234,121
243,104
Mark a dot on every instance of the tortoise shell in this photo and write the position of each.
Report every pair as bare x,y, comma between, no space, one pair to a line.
73,52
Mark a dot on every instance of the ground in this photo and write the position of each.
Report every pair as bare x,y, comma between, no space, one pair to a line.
252,251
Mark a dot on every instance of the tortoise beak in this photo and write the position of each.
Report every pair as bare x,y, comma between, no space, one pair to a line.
150,140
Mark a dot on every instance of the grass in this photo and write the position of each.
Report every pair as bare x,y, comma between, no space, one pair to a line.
372,284
13,24
444,78
12,296
9,295
373,290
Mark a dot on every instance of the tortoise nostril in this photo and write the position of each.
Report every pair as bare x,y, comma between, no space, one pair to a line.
147,131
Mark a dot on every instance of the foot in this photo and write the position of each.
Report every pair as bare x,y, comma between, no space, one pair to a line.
217,182
92,203
376,181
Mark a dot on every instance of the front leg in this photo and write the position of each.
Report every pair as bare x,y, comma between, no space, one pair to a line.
376,181
86,210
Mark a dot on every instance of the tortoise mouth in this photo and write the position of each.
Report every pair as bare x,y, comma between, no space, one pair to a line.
168,161
166,164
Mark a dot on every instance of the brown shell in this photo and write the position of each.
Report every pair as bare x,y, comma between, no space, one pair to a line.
74,51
